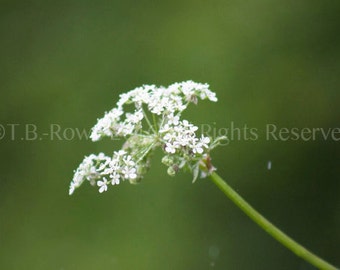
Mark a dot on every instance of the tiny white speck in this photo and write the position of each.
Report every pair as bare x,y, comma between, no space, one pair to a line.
269,165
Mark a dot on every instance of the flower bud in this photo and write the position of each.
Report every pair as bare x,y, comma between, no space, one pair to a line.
135,181
142,170
171,171
167,160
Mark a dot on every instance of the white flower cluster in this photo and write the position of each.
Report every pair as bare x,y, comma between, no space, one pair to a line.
110,170
155,120
159,100
91,169
180,135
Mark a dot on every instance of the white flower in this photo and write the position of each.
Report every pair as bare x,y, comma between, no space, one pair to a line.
123,99
141,95
190,128
183,140
197,148
72,188
154,120
210,95
114,165
125,129
165,128
157,108
115,178
188,90
205,141
173,120
129,173
170,148
170,136
104,125
120,153
91,169
135,117
95,135
128,161
102,185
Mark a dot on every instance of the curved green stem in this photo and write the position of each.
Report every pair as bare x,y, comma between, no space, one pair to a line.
280,236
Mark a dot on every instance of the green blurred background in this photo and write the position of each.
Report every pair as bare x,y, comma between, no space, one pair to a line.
66,62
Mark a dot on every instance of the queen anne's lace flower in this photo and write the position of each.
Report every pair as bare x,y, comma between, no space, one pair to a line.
154,121
102,185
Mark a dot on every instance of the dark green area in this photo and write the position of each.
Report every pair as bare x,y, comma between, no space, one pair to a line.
271,62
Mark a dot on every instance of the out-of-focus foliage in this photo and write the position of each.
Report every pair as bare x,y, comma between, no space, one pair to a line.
62,63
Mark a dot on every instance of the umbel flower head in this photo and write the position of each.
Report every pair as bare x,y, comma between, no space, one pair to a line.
149,117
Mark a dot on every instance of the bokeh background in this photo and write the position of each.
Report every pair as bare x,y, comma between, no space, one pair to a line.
66,62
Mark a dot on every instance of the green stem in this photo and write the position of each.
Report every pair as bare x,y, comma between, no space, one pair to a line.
280,236
148,121
155,122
